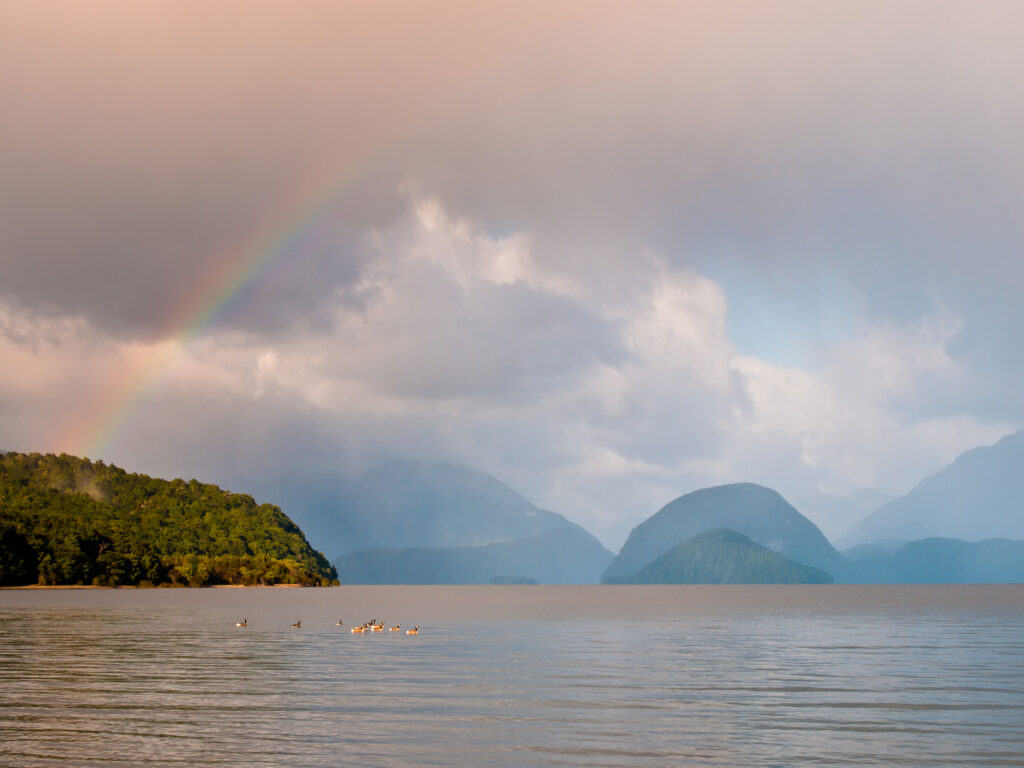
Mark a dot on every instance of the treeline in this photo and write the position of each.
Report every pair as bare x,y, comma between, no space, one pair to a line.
66,520
203,571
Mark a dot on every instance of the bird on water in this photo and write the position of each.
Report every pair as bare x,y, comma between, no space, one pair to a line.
243,623
297,624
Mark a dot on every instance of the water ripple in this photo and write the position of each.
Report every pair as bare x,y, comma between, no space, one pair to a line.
716,677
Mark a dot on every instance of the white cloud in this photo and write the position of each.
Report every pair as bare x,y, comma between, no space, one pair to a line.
856,421
678,328
266,370
887,361
602,393
542,301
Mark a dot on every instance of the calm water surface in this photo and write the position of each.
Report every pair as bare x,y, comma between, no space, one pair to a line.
515,676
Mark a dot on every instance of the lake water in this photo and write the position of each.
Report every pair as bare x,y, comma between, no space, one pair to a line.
515,676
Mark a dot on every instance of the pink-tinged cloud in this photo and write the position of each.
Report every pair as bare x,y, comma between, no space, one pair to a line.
606,250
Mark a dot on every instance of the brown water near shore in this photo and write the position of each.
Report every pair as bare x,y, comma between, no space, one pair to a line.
515,675
164,586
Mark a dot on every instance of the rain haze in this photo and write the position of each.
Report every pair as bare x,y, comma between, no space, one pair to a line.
609,253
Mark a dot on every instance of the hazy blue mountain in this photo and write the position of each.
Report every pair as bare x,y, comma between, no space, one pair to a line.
413,504
836,514
978,496
506,580
722,556
567,555
941,561
753,510
873,550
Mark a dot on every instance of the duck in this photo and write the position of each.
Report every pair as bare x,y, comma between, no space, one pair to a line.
340,622
297,624
414,631
396,628
358,630
377,627
243,623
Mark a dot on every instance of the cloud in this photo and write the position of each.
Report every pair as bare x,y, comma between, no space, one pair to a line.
451,342
443,312
454,343
867,417
608,254
793,138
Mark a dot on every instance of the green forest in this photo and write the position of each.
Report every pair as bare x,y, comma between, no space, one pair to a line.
66,520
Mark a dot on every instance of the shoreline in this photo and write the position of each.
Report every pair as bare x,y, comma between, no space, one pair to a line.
133,586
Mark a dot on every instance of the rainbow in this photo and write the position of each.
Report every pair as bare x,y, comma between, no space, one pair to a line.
94,427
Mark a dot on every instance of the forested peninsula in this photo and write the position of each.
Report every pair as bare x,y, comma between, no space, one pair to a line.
66,520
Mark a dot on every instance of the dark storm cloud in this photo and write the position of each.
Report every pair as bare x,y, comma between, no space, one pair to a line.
866,142
142,143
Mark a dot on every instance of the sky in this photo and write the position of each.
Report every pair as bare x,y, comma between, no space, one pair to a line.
608,252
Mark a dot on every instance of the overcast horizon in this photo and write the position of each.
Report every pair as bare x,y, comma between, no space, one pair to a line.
608,253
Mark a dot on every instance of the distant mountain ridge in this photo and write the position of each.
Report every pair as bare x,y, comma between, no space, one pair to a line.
409,522
68,520
978,496
835,514
722,556
939,561
758,513
404,504
567,555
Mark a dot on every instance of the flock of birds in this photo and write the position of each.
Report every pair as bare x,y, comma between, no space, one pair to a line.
368,626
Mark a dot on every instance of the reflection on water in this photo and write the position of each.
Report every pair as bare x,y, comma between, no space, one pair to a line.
514,676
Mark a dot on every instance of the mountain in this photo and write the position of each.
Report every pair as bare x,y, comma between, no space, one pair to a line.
978,496
941,561
567,555
66,520
874,550
753,510
406,504
722,556
835,514
512,580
